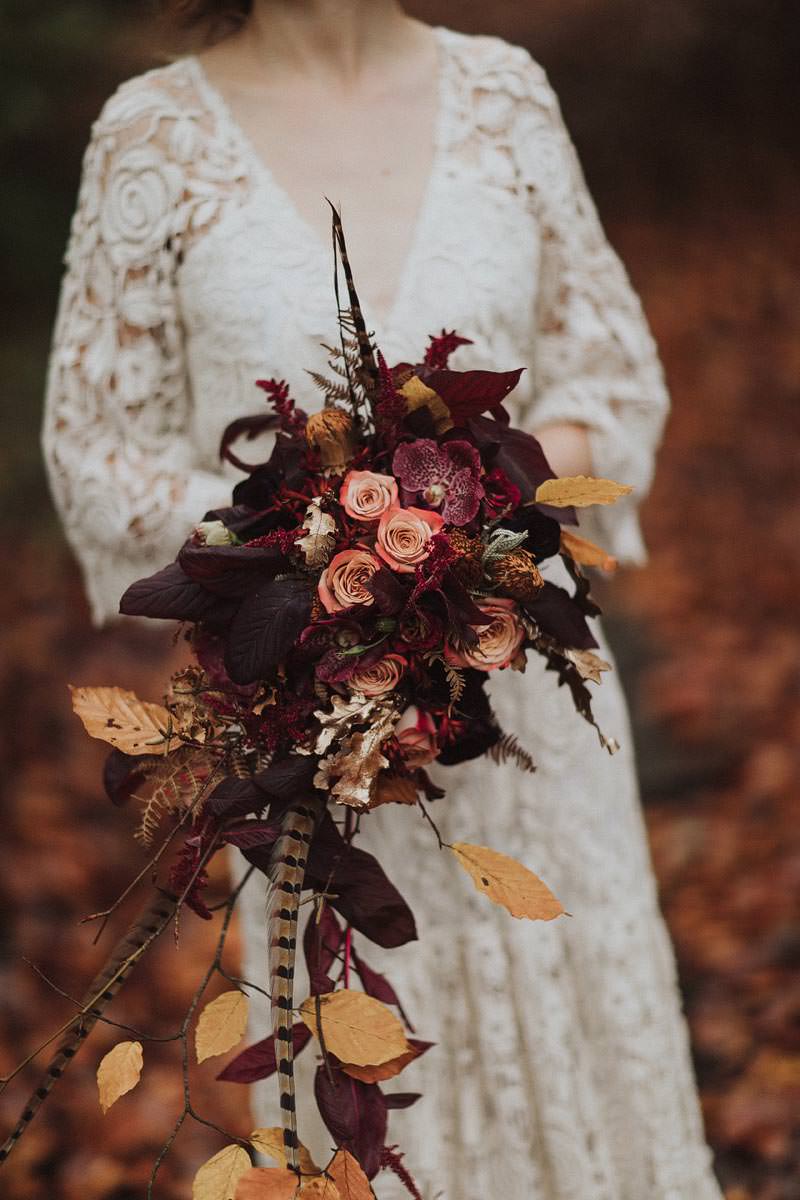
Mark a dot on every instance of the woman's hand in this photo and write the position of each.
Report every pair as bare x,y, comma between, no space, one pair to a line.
567,448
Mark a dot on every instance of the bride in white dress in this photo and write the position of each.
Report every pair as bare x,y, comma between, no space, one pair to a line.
200,261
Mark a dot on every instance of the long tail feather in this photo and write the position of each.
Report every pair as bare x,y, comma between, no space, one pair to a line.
370,375
152,922
286,874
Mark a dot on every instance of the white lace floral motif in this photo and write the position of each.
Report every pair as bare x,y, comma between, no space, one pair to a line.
562,1069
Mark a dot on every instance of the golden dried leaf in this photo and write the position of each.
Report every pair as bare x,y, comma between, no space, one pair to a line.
589,664
120,718
349,1178
222,1024
585,553
357,762
357,1028
120,1070
267,1183
320,1189
419,395
270,1141
393,789
319,542
217,1179
580,491
386,1070
506,882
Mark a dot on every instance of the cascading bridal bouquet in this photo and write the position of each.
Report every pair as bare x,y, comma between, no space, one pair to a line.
344,616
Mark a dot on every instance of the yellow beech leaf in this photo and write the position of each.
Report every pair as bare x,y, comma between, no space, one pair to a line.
350,1180
267,1183
221,1026
356,1028
119,1071
320,1189
580,491
386,1070
122,719
507,882
419,395
270,1141
217,1179
585,552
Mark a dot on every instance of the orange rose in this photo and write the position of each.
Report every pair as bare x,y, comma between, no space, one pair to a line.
342,582
367,496
383,676
498,642
416,733
404,534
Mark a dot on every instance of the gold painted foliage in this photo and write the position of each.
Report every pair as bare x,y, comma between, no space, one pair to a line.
318,543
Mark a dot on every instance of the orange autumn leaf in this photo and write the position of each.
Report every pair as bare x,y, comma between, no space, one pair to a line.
350,1180
393,789
586,553
119,1071
506,882
120,718
218,1178
222,1024
580,491
388,1070
356,1028
320,1188
267,1183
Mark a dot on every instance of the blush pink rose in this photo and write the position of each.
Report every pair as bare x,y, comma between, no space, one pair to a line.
416,734
366,496
342,583
498,642
383,676
404,534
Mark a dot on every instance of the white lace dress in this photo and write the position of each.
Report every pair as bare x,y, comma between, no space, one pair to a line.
561,1070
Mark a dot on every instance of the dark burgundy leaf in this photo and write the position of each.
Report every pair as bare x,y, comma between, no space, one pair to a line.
123,774
557,614
258,1061
364,896
251,833
354,1113
172,596
249,428
521,457
469,393
321,942
401,1099
389,591
233,798
266,627
230,570
289,778
544,532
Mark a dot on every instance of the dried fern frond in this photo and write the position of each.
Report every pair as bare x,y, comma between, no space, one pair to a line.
456,682
508,748
334,391
173,784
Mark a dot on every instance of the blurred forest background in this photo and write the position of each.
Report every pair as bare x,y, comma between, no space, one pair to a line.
685,114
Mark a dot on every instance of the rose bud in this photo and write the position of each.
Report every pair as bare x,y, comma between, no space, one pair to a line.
343,581
498,642
383,676
416,735
403,537
366,496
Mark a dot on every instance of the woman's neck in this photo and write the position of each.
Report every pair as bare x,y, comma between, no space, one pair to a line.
334,38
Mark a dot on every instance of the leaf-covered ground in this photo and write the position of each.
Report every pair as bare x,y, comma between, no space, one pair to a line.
709,644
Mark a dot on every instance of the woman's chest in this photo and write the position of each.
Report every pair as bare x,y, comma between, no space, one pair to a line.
257,292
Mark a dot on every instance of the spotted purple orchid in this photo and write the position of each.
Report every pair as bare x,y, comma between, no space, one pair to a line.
444,477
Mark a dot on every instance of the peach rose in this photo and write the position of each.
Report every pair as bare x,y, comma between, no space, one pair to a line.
367,496
416,733
404,534
383,676
498,642
342,582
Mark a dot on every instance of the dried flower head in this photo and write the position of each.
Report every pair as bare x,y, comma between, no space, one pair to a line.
331,433
518,576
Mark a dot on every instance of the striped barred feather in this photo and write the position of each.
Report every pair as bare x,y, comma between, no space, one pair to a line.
286,874
102,990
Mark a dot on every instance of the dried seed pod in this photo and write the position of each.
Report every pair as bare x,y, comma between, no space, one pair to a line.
469,567
518,576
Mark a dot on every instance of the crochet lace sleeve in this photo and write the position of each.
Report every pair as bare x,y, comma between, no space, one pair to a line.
595,360
117,405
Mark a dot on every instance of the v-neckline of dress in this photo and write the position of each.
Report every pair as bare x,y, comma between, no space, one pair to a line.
264,174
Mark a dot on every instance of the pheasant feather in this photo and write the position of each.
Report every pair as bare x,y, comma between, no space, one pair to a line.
286,874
